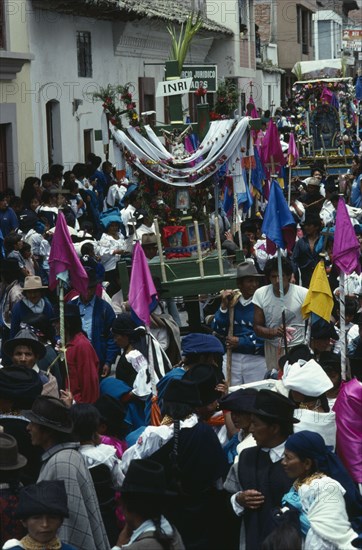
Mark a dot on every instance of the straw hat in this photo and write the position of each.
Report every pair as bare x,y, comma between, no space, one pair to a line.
33,282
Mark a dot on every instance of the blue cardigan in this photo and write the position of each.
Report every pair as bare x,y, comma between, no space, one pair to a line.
102,339
21,312
249,343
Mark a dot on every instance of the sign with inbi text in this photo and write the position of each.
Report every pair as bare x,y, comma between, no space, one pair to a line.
173,87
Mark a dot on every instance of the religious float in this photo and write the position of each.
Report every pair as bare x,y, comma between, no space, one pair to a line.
327,116
179,167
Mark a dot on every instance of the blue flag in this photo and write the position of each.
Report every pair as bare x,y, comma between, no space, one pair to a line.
257,173
279,225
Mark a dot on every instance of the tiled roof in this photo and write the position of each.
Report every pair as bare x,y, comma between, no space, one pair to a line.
171,11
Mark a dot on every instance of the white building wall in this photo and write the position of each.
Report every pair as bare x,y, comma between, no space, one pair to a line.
119,53
327,34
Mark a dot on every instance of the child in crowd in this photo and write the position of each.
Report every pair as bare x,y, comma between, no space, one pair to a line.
13,244
29,261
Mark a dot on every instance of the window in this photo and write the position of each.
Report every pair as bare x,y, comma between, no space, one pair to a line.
147,101
84,54
2,27
304,29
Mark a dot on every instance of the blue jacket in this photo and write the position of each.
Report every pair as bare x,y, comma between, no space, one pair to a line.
249,343
21,312
102,339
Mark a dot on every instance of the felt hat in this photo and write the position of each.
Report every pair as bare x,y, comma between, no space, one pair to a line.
33,282
70,310
273,405
10,459
112,411
247,269
308,379
312,218
92,276
145,476
44,497
50,412
321,330
330,361
25,337
300,352
40,323
206,379
242,400
149,239
197,342
20,385
124,324
182,391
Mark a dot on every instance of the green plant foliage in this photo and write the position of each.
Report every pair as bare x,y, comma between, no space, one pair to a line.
180,43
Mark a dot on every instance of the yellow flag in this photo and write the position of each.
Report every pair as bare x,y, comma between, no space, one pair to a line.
319,299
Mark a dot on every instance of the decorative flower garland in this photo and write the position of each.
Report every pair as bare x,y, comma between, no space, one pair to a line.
227,100
111,96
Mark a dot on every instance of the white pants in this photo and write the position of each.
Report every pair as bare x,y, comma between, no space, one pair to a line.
245,368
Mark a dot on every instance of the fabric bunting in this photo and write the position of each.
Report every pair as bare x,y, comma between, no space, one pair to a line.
319,299
63,258
142,296
278,225
346,249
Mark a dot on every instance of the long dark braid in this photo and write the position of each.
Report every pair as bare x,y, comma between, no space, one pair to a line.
166,541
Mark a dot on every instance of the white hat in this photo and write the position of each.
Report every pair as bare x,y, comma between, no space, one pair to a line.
308,378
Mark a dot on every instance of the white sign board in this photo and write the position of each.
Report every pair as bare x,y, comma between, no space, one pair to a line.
173,87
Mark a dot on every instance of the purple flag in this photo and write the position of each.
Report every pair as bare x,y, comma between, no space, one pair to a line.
254,112
293,153
271,149
346,248
142,296
63,257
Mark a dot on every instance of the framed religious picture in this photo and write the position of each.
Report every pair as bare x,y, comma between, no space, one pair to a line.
182,199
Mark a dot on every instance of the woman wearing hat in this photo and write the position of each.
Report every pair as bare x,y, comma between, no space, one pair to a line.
11,466
323,493
144,503
41,509
308,384
192,457
245,351
33,301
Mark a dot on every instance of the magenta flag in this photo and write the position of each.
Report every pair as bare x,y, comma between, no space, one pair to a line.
142,296
63,257
254,112
346,248
293,153
271,149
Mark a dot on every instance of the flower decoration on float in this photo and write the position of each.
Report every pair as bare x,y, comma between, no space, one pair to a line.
118,101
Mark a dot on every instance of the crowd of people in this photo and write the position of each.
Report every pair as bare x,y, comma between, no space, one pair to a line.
242,435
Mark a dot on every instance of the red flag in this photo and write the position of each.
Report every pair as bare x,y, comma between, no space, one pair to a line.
63,257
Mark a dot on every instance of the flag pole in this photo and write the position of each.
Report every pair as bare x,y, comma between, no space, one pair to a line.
342,323
62,350
281,294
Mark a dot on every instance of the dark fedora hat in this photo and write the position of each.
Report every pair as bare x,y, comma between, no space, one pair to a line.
10,459
25,337
301,351
273,405
247,269
46,497
146,477
182,391
206,379
124,324
92,276
321,330
50,412
240,401
70,310
20,385
112,412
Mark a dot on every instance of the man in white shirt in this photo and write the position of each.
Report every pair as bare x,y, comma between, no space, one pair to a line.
268,308
261,476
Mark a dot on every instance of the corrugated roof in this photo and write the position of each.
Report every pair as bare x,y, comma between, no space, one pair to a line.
171,11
